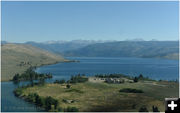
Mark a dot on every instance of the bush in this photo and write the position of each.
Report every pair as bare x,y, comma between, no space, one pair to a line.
39,101
72,109
32,97
155,109
135,79
140,76
60,81
49,101
110,76
129,90
60,109
143,109
78,79
68,86
18,92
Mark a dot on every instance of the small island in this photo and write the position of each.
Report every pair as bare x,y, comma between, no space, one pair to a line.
109,92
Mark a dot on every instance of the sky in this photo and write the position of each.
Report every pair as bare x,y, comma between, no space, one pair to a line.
44,21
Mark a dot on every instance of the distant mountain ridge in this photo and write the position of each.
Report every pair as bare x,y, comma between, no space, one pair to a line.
129,48
145,49
62,46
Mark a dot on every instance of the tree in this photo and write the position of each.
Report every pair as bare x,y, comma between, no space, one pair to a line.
39,100
16,77
72,109
62,81
50,102
68,86
60,109
42,81
155,109
17,82
135,79
140,76
56,104
143,109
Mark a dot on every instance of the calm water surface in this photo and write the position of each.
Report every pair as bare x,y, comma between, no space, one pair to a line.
153,68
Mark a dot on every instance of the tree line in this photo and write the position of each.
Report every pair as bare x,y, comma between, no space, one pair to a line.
48,103
74,79
30,74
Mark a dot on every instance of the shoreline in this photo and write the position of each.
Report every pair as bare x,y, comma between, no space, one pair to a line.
65,61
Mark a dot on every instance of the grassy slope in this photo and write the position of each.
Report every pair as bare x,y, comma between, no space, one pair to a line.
14,54
106,97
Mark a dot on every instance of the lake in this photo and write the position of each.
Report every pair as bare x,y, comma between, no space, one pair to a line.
153,68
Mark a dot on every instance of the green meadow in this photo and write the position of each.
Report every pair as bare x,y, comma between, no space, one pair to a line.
91,96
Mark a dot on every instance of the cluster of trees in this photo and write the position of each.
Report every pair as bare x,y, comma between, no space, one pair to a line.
78,79
48,103
130,90
144,109
30,74
176,81
110,75
60,81
74,79
141,77
18,92
71,109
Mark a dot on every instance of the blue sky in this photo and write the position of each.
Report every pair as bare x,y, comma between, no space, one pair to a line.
43,21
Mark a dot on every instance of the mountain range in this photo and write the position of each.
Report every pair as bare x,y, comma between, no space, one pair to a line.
128,48
145,49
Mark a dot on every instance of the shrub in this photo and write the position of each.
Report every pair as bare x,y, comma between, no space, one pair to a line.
49,101
68,86
135,79
60,81
140,76
143,109
155,109
72,109
39,101
130,90
78,79
18,92
60,109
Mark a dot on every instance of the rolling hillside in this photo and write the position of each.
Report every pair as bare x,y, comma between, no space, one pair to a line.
16,58
145,49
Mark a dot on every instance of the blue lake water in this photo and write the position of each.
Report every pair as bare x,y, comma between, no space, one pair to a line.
153,68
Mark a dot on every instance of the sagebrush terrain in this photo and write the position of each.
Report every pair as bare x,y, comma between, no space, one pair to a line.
17,58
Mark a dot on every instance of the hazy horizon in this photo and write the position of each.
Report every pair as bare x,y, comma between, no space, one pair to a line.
56,41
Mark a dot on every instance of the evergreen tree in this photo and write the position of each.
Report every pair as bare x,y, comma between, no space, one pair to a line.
135,79
155,109
143,109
